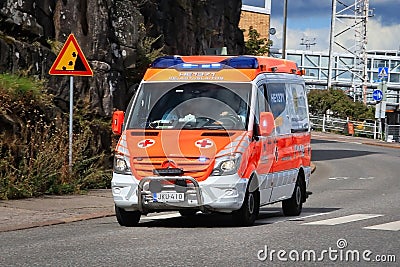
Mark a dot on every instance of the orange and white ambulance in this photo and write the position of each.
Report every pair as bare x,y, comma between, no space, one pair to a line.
224,134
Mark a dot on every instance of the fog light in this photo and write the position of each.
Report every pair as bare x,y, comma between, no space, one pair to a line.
117,190
230,192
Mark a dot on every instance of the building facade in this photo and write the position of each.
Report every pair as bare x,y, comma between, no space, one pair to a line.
256,14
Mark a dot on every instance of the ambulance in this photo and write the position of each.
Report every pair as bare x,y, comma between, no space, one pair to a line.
213,134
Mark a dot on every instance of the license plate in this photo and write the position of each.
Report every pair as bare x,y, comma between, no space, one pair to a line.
168,197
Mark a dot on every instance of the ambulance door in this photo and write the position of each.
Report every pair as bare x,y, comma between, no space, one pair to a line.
283,166
277,97
300,124
267,144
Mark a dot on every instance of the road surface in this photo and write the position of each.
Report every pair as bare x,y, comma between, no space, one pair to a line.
352,218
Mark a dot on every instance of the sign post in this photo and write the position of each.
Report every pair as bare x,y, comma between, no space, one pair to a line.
71,112
380,95
71,61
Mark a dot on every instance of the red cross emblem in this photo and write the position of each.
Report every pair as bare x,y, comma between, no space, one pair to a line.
146,143
204,143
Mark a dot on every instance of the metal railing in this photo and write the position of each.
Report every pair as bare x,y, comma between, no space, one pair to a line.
328,123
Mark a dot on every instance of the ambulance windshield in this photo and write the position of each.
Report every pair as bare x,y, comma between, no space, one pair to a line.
191,106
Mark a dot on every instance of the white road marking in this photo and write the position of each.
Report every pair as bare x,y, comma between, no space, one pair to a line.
391,226
162,216
338,178
344,219
309,216
367,178
279,219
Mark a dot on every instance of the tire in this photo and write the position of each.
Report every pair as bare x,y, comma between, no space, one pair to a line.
127,218
188,213
294,205
248,213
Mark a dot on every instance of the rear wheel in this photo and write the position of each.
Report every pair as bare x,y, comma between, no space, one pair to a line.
294,205
127,218
248,213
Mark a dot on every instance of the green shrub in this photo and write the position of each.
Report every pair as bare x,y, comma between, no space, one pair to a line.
34,146
19,86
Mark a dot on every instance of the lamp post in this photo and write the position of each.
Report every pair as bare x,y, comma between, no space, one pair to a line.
284,29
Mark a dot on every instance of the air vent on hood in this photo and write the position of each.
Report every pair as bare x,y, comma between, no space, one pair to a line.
217,134
144,133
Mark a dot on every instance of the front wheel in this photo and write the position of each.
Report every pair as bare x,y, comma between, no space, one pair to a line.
294,205
127,218
248,213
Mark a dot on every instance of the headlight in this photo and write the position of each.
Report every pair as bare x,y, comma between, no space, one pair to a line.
121,164
227,165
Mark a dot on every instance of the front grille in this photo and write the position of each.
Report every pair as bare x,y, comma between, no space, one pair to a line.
191,166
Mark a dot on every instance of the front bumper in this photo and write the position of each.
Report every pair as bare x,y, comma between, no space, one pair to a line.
216,193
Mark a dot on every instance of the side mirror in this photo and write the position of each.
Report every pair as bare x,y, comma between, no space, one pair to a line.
117,121
267,123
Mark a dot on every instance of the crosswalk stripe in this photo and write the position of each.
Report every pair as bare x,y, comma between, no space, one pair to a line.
391,226
162,216
344,219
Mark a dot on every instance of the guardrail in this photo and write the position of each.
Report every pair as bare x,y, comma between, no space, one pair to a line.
328,123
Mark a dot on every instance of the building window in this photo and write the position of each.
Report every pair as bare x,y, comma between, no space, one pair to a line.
258,6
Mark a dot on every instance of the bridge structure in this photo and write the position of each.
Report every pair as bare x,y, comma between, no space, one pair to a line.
316,66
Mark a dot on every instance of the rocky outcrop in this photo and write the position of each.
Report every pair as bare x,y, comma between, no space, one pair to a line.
118,38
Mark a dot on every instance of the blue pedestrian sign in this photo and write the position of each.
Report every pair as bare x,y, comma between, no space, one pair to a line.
377,95
383,72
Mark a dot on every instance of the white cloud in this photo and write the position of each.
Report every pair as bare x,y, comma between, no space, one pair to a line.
381,36
293,38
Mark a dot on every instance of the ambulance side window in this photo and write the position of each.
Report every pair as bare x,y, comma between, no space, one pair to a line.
299,114
277,99
276,95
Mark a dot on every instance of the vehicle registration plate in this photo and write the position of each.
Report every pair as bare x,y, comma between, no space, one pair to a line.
168,197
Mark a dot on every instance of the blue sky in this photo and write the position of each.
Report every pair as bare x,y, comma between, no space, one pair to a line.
310,19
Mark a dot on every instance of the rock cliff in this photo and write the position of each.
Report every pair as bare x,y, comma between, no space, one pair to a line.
118,38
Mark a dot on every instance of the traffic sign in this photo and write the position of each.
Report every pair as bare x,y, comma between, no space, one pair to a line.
71,60
377,95
383,72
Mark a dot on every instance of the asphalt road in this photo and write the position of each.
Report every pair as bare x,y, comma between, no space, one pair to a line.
357,186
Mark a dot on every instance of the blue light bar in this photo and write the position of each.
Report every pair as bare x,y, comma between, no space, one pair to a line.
166,62
241,62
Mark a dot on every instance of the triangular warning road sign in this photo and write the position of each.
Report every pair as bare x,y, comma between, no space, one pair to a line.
71,60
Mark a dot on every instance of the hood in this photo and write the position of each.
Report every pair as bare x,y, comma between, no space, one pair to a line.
193,151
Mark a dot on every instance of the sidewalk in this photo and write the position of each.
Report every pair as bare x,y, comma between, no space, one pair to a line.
51,210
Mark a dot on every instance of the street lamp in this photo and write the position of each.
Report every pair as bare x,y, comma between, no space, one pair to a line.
284,29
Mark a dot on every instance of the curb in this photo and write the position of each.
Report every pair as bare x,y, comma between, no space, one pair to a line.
77,218
346,139
382,145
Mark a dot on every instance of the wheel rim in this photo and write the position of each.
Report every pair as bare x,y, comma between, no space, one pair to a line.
298,195
250,203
